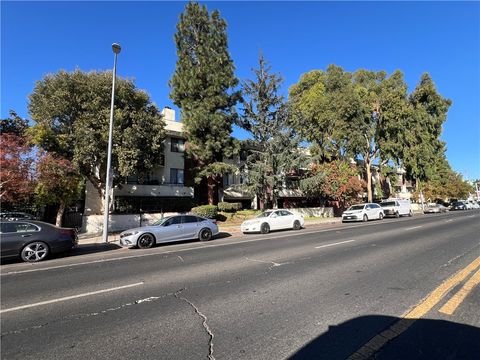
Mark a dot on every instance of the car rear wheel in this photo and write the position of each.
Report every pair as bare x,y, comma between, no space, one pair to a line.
397,215
35,251
146,241
297,225
205,234
410,213
265,228
365,217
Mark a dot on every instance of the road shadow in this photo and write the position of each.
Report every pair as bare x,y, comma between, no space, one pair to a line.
424,339
84,249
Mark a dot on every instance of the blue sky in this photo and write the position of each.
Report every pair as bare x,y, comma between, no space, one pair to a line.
442,38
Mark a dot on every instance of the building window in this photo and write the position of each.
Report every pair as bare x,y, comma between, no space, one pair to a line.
177,145
176,176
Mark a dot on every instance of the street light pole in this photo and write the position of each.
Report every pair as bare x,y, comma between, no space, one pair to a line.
108,179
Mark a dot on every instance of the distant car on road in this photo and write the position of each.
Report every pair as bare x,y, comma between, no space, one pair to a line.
33,241
396,207
273,220
363,212
459,205
468,204
15,215
435,209
169,229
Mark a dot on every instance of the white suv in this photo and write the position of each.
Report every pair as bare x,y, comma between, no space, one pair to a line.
363,212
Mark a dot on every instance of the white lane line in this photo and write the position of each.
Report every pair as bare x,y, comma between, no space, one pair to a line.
415,227
69,298
337,243
449,220
470,216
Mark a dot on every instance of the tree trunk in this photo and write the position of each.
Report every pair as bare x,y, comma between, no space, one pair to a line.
368,166
61,210
212,185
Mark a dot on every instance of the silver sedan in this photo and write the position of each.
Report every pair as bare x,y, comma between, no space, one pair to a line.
170,229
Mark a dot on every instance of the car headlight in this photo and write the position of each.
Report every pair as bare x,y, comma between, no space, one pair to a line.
130,233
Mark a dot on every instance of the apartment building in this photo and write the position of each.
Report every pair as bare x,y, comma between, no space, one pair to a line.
162,190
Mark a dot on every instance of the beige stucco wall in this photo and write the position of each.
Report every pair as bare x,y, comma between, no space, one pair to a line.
93,201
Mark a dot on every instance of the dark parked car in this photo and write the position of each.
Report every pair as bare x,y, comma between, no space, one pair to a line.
15,215
459,205
33,241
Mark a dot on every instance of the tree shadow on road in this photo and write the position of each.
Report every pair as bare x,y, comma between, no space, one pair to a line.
424,339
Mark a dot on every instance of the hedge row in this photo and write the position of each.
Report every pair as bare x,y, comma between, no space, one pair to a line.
229,207
206,211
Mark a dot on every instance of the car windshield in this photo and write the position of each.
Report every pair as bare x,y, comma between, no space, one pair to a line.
264,214
389,203
356,207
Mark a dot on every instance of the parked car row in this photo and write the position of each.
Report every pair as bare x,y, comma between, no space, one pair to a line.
372,211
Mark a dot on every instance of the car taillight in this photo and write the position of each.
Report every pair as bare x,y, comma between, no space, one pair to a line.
69,232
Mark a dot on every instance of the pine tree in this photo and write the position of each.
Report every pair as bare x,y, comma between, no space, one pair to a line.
203,88
275,152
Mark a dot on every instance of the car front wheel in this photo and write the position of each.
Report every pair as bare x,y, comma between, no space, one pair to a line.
146,241
380,216
35,251
365,217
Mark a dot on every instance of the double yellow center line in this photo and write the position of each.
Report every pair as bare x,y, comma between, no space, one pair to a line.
407,320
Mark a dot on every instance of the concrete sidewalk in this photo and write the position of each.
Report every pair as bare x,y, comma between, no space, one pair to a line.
234,231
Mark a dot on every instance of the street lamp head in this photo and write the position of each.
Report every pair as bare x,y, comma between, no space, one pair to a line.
116,48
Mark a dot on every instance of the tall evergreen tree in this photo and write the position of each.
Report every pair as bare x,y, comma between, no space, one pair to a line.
422,147
203,88
275,152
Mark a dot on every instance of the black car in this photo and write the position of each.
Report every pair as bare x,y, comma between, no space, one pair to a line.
33,241
459,205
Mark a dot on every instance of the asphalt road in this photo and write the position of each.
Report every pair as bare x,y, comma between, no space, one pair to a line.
351,290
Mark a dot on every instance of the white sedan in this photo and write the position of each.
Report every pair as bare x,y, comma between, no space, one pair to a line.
363,212
273,220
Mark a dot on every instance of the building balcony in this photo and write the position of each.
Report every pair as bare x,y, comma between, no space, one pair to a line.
163,190
235,192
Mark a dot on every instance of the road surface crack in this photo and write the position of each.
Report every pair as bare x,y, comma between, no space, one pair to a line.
204,323
68,318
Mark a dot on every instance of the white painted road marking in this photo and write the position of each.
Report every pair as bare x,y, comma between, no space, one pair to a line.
69,298
337,243
415,227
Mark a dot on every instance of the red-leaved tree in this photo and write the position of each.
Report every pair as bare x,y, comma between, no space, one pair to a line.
16,184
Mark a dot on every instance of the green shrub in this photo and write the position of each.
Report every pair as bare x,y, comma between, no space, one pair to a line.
207,211
229,207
